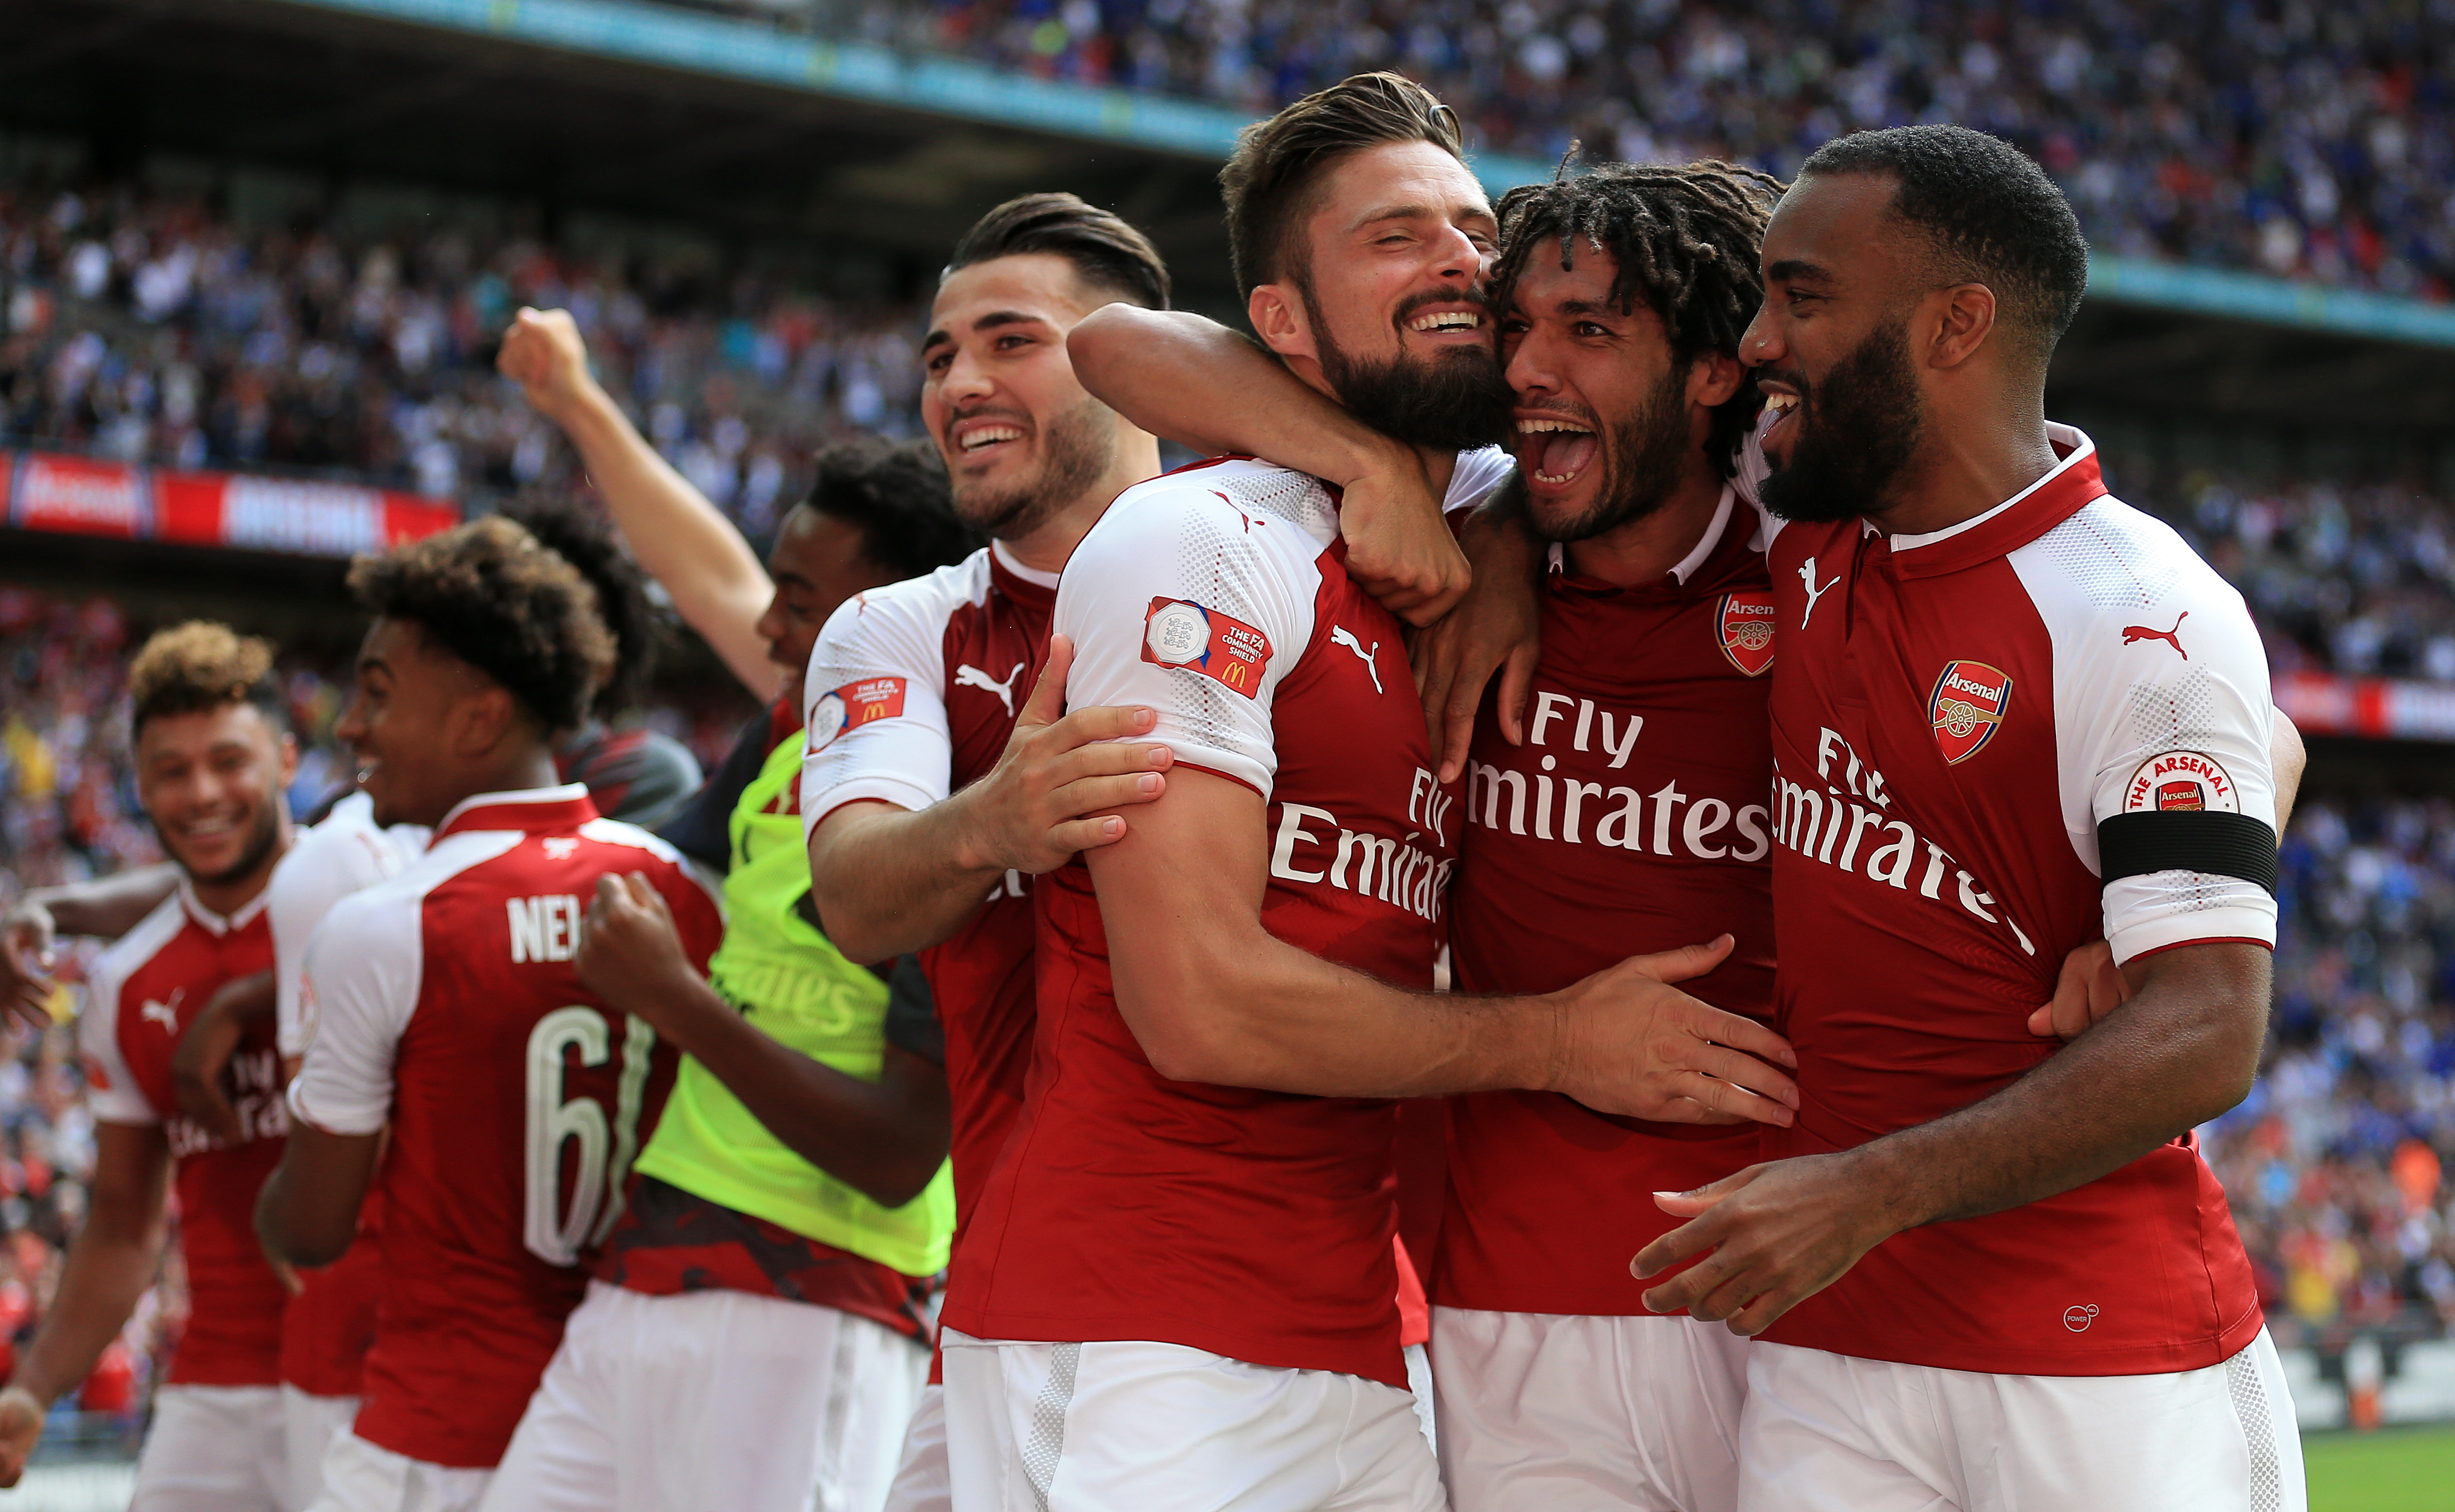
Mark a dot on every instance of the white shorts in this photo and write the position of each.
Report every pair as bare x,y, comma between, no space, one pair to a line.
921,1483
310,1427
716,1399
1575,1414
1133,1427
1831,1433
212,1449
361,1477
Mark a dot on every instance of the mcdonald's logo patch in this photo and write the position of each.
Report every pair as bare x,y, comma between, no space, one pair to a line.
1179,632
855,703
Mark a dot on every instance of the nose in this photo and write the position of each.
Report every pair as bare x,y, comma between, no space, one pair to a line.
1761,345
771,624
1531,371
351,727
966,379
1461,260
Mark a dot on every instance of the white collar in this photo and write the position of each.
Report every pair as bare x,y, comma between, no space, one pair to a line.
1687,565
2057,436
1029,575
215,923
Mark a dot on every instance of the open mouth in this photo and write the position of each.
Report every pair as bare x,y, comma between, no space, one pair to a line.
1447,322
1781,404
979,438
1553,451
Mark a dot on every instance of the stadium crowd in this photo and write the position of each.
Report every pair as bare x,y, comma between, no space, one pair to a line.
145,329
2282,136
139,328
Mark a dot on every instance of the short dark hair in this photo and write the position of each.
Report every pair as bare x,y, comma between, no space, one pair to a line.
203,665
1687,242
583,536
1106,250
1270,179
489,593
896,496
1990,212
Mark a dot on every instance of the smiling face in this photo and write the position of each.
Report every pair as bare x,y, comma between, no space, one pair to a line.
1021,436
1395,249
818,562
211,780
1830,345
414,714
1610,423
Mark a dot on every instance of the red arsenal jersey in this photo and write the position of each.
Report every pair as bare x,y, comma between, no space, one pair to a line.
1954,715
912,692
142,995
446,1005
1632,820
1128,1206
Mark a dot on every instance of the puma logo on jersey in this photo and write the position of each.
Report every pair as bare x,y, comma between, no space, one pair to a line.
165,1014
1341,636
966,676
2133,635
1807,575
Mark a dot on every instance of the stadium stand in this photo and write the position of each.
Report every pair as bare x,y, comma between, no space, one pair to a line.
2301,140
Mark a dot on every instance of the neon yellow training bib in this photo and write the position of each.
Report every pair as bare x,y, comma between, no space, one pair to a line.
792,982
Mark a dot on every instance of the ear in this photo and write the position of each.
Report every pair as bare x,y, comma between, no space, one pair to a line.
481,718
1279,317
1964,318
289,758
1714,377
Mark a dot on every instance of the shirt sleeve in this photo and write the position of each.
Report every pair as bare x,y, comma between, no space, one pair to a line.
333,860
357,992
112,1092
1477,476
874,699
1182,602
2163,709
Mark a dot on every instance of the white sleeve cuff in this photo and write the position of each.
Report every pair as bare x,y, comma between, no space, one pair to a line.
2166,909
334,1115
908,795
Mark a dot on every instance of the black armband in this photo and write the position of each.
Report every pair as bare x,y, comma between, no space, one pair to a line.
2219,844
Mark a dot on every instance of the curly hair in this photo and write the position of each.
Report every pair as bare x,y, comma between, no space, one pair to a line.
489,593
583,537
896,496
1686,241
203,665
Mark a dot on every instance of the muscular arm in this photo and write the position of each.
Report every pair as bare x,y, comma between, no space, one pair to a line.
308,1212
889,880
105,908
1178,374
1213,996
2183,1049
886,1138
685,543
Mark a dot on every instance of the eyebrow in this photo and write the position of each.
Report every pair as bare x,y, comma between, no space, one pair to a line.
1791,269
987,322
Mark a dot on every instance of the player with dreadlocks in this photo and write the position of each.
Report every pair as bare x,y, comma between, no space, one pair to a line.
1633,817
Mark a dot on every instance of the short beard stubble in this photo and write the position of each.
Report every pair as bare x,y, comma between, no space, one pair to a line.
1858,429
1642,456
1078,448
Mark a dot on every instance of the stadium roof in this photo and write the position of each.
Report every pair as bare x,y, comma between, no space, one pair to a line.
739,128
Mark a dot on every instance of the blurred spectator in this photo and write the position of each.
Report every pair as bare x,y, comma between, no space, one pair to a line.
143,329
2335,1164
2287,137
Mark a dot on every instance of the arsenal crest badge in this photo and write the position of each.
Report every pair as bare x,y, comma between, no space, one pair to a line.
1967,705
1745,624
